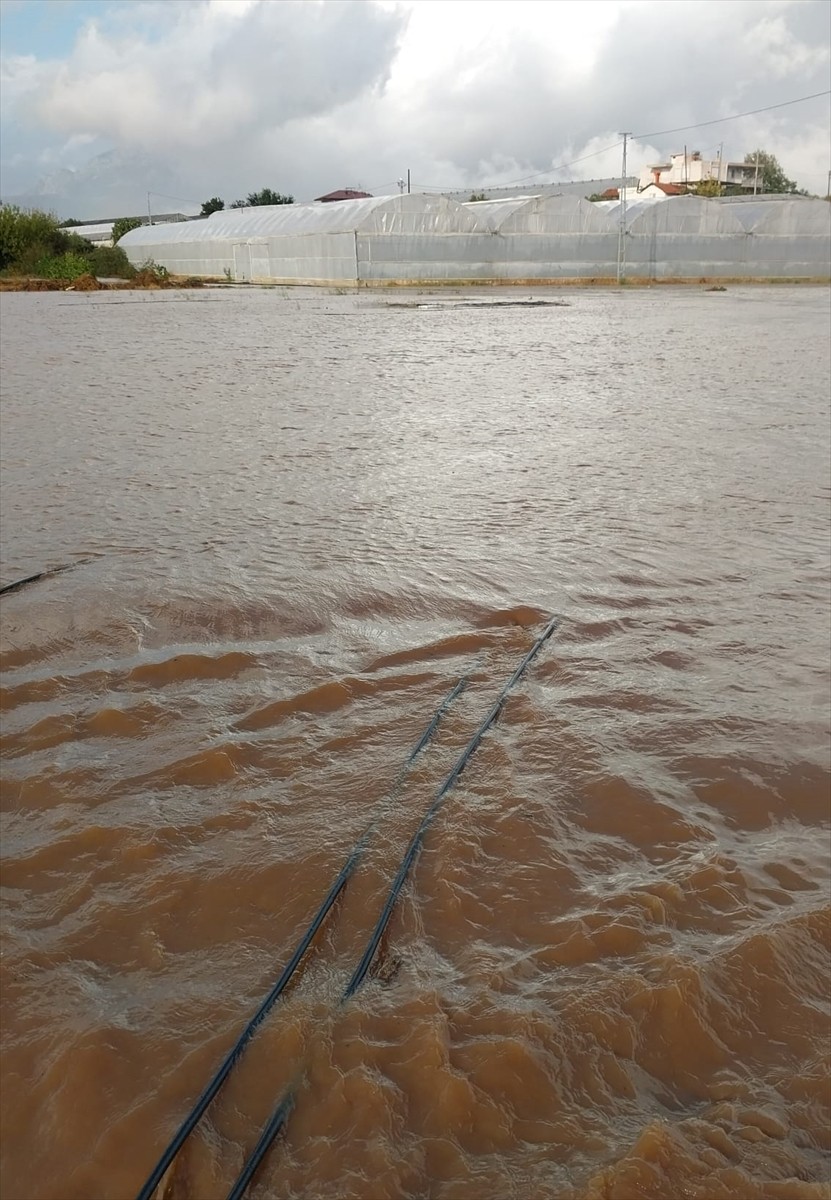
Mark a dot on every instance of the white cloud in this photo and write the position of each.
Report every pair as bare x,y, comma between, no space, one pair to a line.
310,95
218,71
20,75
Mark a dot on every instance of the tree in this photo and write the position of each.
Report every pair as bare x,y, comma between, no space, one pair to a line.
213,205
709,188
476,197
266,196
124,225
70,224
771,176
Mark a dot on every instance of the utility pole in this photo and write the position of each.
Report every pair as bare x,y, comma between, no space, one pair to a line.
828,189
408,181
756,175
621,237
720,149
149,213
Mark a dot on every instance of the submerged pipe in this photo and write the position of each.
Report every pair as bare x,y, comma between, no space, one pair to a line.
283,1110
21,583
227,1064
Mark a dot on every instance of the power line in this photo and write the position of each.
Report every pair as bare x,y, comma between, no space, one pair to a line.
736,117
181,199
525,179
563,166
512,182
636,136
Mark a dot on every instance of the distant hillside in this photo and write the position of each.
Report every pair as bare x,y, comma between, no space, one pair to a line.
113,182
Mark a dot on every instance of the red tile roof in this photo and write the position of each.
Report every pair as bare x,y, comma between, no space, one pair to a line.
343,194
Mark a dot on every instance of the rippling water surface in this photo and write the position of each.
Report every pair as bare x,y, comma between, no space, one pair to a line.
303,518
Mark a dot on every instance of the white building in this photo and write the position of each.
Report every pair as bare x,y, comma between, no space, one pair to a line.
100,233
687,169
651,191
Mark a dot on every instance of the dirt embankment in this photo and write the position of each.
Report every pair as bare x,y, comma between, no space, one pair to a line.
88,283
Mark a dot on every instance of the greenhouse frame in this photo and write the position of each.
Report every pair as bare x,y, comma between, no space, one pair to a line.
423,239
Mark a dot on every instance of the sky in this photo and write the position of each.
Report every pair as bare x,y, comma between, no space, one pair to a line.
103,101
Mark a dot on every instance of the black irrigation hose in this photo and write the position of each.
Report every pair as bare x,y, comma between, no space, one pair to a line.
21,583
224,1069
283,1110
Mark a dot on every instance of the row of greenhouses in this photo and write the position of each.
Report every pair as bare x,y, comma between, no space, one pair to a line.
419,239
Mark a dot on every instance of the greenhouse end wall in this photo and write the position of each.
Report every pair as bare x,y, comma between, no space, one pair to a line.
426,239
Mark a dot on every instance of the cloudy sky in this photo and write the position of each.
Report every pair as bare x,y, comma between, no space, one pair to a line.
221,97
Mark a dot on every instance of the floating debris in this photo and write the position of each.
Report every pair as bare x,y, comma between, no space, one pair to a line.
531,302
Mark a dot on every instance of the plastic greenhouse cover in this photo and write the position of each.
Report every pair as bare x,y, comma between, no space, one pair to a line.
686,215
494,212
411,213
795,218
554,215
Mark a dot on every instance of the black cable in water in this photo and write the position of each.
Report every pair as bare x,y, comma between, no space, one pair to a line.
21,583
225,1067
283,1110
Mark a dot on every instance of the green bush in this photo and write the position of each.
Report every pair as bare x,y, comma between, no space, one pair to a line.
25,263
76,244
65,266
148,267
111,261
29,239
20,230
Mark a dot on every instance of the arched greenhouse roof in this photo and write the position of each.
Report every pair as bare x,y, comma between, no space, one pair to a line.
493,212
408,214
686,215
418,213
634,208
795,218
751,212
543,214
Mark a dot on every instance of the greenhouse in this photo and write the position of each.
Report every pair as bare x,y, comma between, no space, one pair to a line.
419,239
549,237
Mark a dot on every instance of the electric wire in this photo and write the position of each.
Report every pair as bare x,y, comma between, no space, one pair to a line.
525,178
636,136
736,117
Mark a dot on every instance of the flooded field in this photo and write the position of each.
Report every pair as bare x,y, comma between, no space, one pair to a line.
298,519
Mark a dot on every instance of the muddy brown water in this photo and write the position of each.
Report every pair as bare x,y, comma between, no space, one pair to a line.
306,515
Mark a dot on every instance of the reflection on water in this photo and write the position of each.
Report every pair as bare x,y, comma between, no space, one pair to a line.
304,517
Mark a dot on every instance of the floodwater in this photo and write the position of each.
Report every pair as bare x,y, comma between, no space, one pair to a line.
304,517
